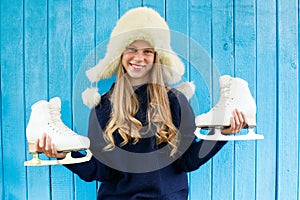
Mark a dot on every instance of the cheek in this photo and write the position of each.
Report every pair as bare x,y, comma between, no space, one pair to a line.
150,60
124,60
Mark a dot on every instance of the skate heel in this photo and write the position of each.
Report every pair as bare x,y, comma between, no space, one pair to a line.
35,161
251,121
31,147
251,135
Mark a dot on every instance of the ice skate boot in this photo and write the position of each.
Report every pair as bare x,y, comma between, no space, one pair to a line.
45,118
234,94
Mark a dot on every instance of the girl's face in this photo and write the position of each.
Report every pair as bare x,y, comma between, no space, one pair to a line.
138,60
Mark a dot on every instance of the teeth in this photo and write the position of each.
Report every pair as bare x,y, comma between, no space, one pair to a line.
137,66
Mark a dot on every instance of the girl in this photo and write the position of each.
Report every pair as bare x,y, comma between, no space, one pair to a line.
141,131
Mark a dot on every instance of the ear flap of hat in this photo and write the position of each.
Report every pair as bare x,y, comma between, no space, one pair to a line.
173,68
103,69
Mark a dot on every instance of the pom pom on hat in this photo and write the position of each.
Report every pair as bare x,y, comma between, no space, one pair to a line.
91,97
187,88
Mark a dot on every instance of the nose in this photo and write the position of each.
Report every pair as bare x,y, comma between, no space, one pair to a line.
139,56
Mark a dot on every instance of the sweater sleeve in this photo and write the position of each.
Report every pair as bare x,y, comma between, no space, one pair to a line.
197,154
93,169
194,153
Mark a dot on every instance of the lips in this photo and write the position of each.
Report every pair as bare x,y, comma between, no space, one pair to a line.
137,67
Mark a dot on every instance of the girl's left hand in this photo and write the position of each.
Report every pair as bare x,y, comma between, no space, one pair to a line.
237,122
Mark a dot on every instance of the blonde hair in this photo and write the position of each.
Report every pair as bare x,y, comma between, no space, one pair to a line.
125,105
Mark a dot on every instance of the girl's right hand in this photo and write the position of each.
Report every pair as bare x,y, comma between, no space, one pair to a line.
45,145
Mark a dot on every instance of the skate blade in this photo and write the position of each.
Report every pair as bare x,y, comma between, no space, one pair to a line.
35,161
218,136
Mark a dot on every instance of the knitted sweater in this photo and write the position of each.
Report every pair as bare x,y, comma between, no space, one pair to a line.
144,170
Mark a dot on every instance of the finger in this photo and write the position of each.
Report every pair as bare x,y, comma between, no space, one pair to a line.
238,120
54,151
238,123
48,143
245,119
57,154
42,141
233,121
240,116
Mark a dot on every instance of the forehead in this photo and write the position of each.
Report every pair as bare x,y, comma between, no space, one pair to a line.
140,44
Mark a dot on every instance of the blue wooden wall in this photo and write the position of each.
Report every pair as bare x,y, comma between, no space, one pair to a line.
45,43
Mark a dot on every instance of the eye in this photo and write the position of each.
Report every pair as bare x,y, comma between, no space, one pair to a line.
131,50
149,51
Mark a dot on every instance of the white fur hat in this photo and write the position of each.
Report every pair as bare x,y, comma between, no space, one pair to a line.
137,24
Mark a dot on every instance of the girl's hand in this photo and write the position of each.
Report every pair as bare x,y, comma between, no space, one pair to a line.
45,145
237,122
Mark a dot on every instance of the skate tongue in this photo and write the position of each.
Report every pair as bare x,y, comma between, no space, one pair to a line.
55,102
224,80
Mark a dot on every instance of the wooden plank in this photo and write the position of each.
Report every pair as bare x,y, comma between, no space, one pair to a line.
107,15
35,20
266,99
60,79
12,93
83,43
177,19
159,6
298,101
288,135
200,59
199,22
245,68
223,58
125,5
1,133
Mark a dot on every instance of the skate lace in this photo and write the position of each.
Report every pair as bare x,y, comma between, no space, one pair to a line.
225,98
56,123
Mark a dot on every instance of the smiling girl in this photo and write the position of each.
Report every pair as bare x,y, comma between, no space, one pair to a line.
142,130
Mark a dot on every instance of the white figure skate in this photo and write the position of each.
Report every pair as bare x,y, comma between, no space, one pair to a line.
234,94
45,118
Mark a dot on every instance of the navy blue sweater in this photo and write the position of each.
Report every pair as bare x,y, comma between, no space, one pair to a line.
144,170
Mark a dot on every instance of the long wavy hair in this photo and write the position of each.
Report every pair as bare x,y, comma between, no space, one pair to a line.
125,105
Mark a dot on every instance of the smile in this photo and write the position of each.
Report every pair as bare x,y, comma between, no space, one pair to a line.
137,67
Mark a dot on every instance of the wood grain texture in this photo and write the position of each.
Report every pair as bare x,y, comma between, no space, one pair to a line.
60,79
201,63
83,42
288,136
266,83
245,68
223,58
13,106
47,45
36,84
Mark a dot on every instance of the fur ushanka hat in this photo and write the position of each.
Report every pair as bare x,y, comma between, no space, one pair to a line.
138,24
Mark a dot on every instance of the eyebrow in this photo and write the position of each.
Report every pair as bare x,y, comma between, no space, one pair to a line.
139,48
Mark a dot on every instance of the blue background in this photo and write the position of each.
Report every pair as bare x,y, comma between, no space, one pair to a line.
45,43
